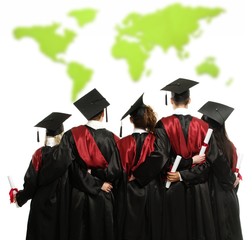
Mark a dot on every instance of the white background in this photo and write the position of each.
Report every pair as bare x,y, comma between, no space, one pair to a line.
32,86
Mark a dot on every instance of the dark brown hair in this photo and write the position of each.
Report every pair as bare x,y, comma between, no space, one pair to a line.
144,117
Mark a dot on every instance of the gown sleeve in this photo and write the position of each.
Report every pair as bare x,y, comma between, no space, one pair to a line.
82,179
185,163
30,179
155,162
200,172
223,172
57,161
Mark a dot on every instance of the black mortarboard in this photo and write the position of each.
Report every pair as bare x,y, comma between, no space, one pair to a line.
180,88
91,104
53,123
139,103
216,111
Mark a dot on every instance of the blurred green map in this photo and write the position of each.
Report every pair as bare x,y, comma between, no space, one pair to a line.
137,35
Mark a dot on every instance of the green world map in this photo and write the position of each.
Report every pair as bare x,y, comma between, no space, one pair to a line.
137,35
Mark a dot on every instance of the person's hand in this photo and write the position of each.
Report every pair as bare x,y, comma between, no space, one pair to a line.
237,181
107,187
131,178
12,194
14,197
173,176
198,158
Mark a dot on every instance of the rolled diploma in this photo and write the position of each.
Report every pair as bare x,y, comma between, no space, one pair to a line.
238,164
206,140
174,168
12,185
11,182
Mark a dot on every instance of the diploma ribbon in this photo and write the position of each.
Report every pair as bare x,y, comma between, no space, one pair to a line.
12,194
238,173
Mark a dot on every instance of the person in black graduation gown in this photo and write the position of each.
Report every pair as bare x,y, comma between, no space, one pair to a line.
223,181
94,169
139,208
48,208
187,208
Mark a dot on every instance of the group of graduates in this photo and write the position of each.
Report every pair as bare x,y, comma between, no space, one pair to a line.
88,183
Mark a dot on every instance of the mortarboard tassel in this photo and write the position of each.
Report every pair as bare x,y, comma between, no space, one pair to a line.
38,136
106,114
166,102
121,130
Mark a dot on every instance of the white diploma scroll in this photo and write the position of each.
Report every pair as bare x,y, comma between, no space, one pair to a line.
12,185
206,140
174,168
11,182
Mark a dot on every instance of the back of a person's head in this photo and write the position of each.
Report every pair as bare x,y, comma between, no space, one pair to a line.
181,99
212,123
144,118
221,137
53,140
53,124
98,116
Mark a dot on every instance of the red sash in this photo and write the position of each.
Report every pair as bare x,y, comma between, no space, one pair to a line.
127,149
196,135
37,159
87,148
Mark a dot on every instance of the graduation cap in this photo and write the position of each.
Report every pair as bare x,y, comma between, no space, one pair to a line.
139,103
216,111
134,110
91,104
53,124
179,89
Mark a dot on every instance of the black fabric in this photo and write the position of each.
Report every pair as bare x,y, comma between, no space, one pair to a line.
187,212
225,201
92,210
49,207
139,206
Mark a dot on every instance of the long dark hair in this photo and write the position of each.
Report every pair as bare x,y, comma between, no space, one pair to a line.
220,134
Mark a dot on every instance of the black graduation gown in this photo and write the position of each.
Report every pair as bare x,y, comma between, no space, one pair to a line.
48,216
139,207
225,201
95,160
187,206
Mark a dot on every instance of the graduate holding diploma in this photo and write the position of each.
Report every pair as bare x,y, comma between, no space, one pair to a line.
223,180
48,206
186,201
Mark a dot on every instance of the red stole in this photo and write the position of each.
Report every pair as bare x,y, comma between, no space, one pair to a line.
37,159
196,134
127,150
87,148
